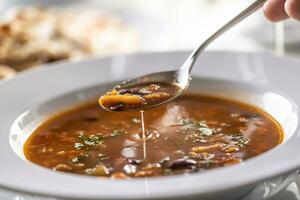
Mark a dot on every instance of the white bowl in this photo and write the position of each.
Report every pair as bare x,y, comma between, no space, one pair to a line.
28,99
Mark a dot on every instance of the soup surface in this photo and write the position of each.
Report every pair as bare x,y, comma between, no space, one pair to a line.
192,133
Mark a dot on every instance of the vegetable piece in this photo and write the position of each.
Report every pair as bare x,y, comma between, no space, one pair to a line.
149,172
129,169
231,149
182,164
114,101
61,153
102,157
119,175
63,167
233,161
134,161
206,131
165,161
200,149
202,124
115,133
156,96
78,145
152,166
136,120
99,170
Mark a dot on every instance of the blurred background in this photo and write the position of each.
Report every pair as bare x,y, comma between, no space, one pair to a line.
33,32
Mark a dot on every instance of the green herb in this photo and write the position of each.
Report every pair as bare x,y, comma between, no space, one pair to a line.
88,141
115,133
202,124
243,142
102,156
236,135
195,138
165,160
206,131
78,158
184,121
92,140
78,146
239,139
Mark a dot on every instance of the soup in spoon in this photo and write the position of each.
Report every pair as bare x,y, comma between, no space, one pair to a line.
138,97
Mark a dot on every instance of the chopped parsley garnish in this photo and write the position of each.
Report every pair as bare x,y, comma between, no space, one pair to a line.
184,121
93,140
79,158
165,160
239,139
243,142
78,145
190,126
206,131
102,156
202,124
88,141
115,133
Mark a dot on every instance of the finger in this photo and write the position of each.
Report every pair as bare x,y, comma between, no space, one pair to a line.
292,8
275,10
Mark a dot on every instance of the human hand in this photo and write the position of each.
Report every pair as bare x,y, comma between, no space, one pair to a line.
278,10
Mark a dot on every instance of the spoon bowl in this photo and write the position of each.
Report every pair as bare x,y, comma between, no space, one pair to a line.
170,85
173,77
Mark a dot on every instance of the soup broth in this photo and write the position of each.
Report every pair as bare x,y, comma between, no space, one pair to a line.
190,134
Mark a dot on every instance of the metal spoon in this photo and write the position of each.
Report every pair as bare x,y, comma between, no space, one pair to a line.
181,77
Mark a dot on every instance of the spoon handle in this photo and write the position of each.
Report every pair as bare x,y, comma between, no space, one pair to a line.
189,63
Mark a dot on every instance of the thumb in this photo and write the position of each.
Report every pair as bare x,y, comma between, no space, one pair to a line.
275,10
292,8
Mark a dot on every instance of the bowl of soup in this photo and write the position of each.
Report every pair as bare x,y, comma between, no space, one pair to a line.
221,138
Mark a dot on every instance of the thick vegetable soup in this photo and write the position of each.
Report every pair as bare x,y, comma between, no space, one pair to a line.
193,133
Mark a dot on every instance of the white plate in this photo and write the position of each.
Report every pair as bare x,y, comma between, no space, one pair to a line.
31,88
